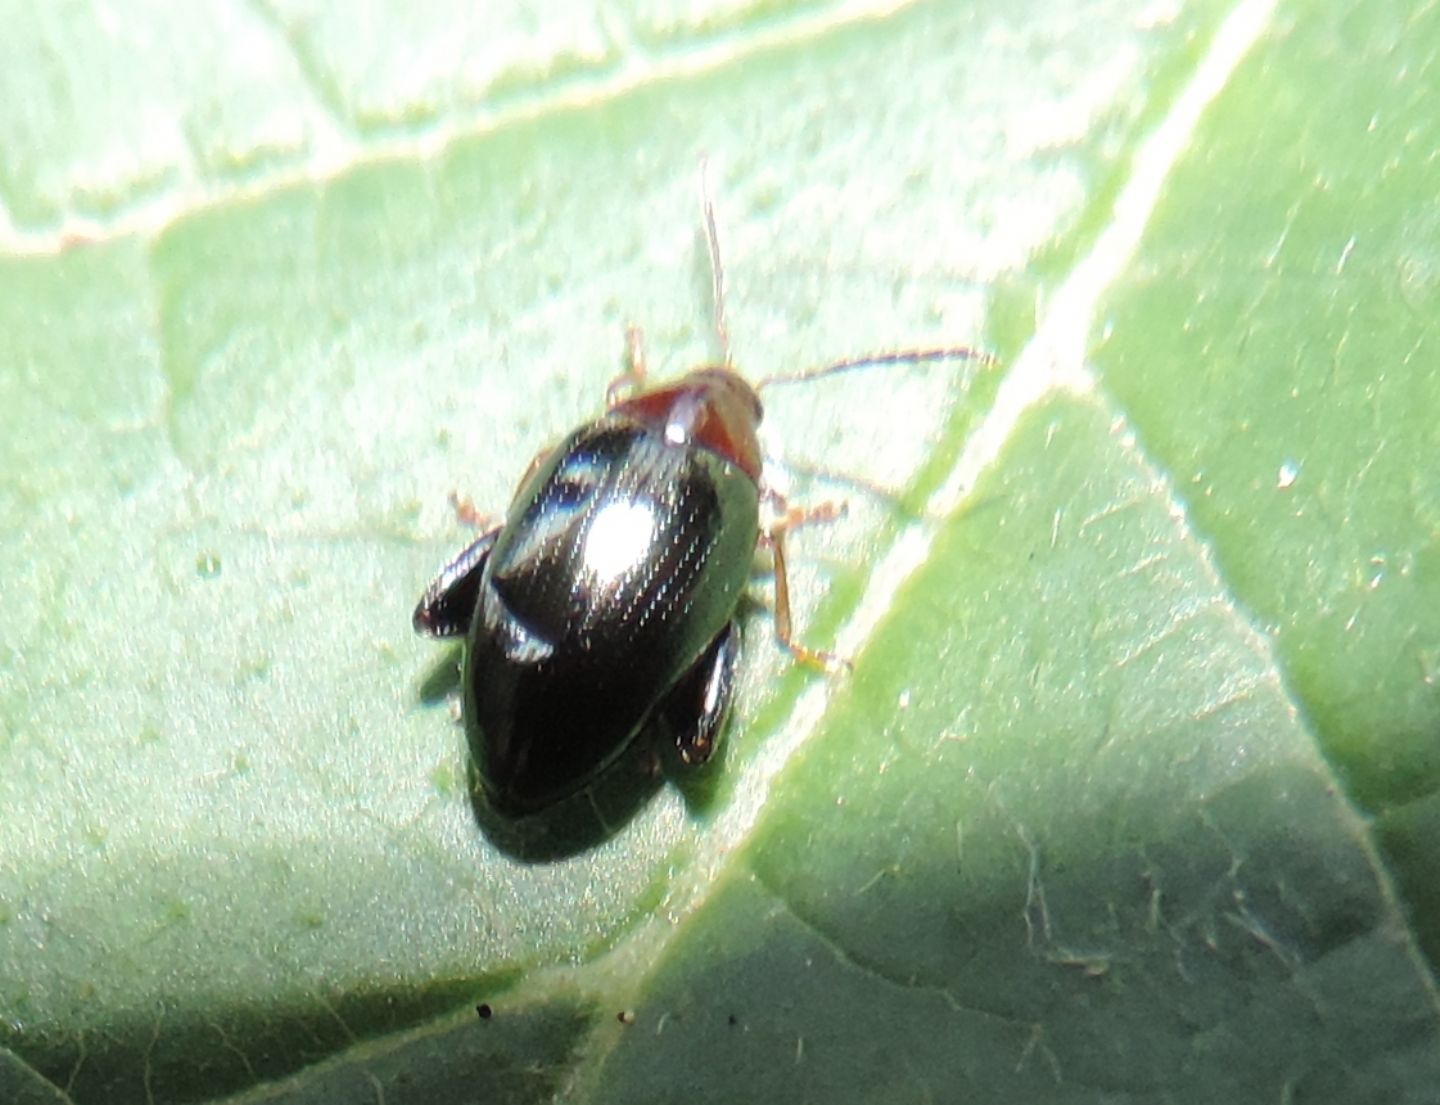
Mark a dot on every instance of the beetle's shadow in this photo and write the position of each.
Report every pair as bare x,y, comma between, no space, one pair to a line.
575,824
594,815
599,812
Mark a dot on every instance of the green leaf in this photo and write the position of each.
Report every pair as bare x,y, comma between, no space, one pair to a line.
1131,792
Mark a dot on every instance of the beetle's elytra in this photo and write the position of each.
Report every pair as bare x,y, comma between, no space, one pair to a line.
606,599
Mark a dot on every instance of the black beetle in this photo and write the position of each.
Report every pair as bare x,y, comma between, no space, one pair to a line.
606,599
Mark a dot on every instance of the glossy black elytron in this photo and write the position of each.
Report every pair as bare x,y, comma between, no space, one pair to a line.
606,600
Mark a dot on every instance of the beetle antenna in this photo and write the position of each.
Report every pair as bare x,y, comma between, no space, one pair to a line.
717,269
880,360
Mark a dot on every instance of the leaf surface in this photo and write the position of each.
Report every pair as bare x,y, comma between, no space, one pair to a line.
1131,792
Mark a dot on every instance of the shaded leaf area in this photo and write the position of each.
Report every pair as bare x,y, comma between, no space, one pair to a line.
24,1085
513,1054
1275,347
1104,863
191,1055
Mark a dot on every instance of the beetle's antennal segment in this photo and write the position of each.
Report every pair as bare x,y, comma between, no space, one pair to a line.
717,269
880,360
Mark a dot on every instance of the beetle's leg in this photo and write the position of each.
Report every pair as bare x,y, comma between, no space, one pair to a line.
448,604
793,517
468,514
633,378
775,538
697,706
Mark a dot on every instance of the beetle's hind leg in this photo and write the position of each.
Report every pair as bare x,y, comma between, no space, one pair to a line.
449,602
696,708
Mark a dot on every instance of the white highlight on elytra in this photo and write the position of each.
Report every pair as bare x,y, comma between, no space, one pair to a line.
617,540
